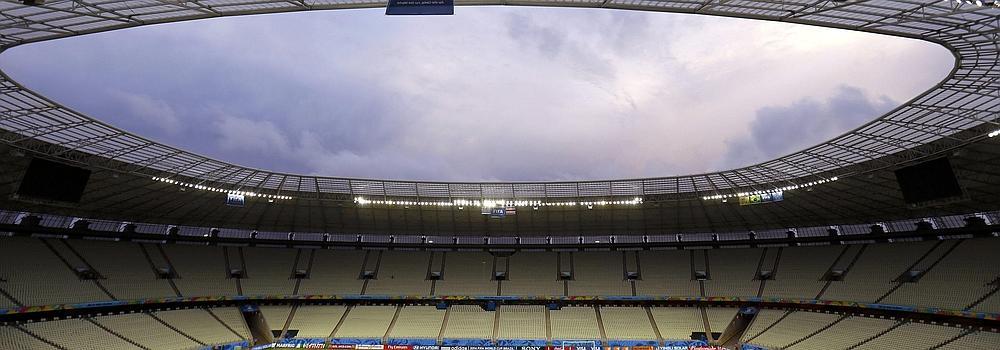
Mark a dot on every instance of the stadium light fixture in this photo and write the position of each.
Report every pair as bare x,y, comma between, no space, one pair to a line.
995,133
770,191
185,185
496,203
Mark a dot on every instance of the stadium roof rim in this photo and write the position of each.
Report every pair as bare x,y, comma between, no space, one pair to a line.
967,99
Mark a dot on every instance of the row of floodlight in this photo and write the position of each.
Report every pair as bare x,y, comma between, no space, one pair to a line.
496,203
770,191
220,190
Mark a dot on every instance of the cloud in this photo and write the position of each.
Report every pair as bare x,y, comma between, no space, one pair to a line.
492,93
780,130
531,34
148,110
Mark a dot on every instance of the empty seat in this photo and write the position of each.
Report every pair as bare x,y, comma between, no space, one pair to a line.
418,322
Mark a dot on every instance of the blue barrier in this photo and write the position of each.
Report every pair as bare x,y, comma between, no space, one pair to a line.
681,344
559,342
466,342
412,341
231,346
633,342
520,342
356,341
892,307
302,341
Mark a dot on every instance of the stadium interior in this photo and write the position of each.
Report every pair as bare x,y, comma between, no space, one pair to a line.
883,238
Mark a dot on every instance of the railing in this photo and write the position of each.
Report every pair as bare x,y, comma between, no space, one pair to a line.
13,221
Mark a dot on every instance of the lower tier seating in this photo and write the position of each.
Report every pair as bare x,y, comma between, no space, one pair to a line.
773,329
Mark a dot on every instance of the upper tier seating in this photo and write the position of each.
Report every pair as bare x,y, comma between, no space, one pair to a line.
532,273
128,274
35,275
201,270
467,273
268,271
732,272
667,272
961,275
872,276
799,272
598,273
334,272
401,273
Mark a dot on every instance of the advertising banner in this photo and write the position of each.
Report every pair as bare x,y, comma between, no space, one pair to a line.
420,7
762,198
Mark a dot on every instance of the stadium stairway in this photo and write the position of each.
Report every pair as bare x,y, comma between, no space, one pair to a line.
817,331
852,253
116,334
924,265
766,328
168,325
74,261
953,339
876,336
980,300
224,324
600,325
652,321
158,262
392,324
39,338
444,324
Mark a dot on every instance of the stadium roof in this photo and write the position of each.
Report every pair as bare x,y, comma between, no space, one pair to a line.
959,111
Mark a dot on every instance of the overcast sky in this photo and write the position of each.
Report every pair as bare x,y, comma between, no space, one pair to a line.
492,93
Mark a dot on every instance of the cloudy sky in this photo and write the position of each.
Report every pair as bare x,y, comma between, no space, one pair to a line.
492,93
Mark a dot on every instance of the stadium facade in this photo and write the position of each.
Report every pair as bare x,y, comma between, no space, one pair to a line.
831,247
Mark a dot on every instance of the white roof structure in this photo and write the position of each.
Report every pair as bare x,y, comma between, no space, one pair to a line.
966,99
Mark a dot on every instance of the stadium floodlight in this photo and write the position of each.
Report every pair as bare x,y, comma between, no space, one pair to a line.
184,185
995,133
